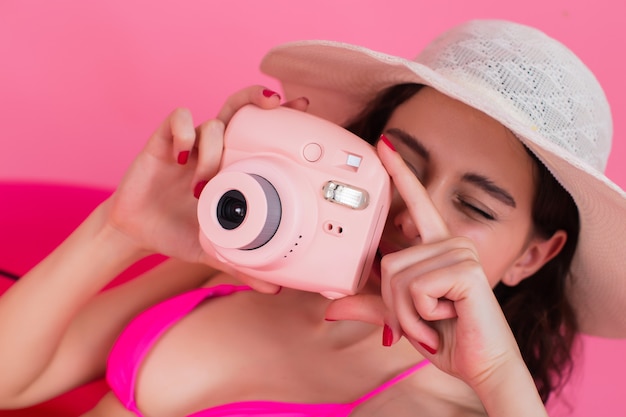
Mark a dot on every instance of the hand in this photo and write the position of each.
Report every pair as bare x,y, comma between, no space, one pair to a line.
155,203
436,293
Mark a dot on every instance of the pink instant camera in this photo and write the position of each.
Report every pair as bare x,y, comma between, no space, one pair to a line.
298,201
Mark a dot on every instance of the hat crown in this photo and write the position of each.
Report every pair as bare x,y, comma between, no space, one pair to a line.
542,82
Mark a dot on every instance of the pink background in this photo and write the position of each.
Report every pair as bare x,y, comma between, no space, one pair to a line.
83,84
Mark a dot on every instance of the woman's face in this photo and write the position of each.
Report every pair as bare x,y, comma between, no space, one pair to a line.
478,175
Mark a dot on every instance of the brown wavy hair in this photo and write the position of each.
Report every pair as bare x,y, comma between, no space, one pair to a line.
537,309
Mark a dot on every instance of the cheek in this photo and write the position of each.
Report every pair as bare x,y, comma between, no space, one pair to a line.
497,251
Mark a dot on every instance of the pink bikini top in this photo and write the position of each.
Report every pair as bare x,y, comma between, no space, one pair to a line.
136,340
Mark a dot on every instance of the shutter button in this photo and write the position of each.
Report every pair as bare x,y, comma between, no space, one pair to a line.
312,152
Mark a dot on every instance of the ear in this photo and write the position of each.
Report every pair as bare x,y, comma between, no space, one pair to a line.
538,252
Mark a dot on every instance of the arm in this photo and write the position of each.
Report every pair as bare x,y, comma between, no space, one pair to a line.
56,327
50,339
510,391
59,328
35,312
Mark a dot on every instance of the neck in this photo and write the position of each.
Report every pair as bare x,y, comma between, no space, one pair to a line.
307,311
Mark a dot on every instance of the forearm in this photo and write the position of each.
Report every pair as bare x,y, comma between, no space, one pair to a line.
37,310
511,392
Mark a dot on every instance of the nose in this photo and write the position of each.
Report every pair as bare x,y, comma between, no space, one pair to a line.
406,225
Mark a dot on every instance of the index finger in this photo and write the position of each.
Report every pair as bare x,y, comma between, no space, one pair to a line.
175,134
427,219
368,308
259,95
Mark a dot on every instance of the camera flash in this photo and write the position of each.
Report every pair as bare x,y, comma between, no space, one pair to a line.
353,161
346,195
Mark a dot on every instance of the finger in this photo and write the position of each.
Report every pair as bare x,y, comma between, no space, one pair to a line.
175,135
301,104
407,319
416,329
396,267
183,133
433,309
368,308
429,304
210,147
441,293
258,95
431,226
259,285
403,292
426,257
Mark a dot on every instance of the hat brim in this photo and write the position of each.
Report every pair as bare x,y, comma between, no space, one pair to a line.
340,79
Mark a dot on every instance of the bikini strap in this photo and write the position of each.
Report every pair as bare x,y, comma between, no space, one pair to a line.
391,382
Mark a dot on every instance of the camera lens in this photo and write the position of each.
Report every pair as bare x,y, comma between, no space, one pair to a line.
251,221
231,209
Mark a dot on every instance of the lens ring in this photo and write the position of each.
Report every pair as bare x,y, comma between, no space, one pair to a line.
273,214
262,221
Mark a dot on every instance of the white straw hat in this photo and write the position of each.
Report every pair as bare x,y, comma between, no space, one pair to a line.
530,83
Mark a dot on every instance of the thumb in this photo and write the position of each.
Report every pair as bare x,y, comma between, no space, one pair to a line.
368,308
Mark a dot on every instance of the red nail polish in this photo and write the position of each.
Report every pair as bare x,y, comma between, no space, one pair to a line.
428,348
183,157
386,142
269,93
387,336
198,188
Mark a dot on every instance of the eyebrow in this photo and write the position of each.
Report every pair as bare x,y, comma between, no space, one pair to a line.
410,141
489,187
478,180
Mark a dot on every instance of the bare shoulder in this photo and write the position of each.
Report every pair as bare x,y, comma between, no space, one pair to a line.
83,350
176,274
113,308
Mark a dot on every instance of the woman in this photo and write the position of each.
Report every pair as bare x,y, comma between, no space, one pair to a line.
465,132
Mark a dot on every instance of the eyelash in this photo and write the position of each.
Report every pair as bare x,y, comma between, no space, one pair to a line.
476,210
414,170
482,213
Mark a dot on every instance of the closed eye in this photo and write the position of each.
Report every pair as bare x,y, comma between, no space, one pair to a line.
476,210
414,170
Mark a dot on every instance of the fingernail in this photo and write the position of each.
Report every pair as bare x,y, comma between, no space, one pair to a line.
269,93
387,336
386,142
428,348
198,189
306,100
183,157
